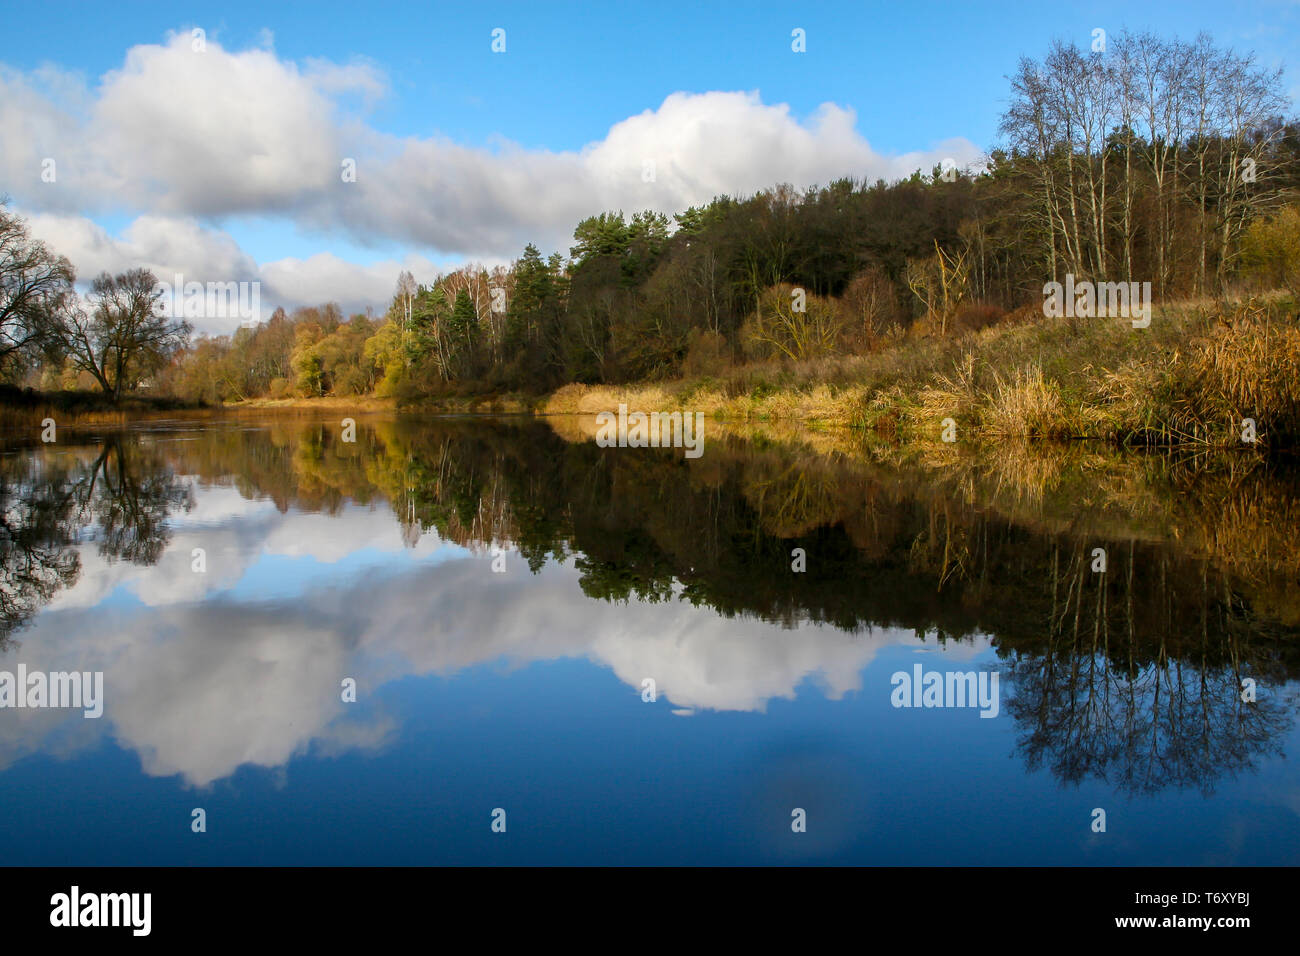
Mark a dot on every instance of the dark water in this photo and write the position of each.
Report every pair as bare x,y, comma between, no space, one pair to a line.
522,688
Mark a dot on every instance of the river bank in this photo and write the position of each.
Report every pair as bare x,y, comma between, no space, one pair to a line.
1202,373
1195,376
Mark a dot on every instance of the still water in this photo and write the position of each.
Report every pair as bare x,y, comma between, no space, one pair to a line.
503,595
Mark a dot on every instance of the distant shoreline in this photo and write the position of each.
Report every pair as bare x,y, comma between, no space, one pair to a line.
1193,378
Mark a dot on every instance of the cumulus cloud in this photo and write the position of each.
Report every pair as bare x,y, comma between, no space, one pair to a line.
218,133
165,245
184,247
188,141
181,132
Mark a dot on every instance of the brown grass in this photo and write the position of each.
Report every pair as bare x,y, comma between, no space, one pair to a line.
1191,377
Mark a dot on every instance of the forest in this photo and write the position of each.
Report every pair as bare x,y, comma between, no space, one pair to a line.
1166,161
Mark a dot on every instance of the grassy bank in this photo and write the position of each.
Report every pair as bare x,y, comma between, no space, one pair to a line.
1192,376
23,410
488,404
327,403
510,403
28,408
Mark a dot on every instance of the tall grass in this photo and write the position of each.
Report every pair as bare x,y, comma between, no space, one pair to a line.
24,409
1192,376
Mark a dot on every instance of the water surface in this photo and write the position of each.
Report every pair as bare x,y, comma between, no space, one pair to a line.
500,595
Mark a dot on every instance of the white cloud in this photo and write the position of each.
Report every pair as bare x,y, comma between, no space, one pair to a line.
171,247
162,244
215,132
184,141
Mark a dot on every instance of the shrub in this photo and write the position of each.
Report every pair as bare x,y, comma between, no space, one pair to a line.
779,328
867,308
707,353
1271,250
974,316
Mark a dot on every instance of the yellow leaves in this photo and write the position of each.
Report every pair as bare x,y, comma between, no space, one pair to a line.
792,323
941,282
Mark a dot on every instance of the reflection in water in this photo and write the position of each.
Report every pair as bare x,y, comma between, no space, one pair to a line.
1133,676
121,496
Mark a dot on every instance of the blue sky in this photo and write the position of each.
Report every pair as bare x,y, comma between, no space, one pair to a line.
916,72
463,154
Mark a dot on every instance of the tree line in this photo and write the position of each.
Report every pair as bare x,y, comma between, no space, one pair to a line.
1155,159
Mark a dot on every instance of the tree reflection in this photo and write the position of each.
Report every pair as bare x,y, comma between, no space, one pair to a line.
37,528
52,499
1170,725
1133,675
131,492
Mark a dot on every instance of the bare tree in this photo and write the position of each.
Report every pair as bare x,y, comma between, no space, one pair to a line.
124,337
35,288
941,283
404,302
1190,123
